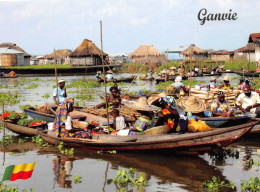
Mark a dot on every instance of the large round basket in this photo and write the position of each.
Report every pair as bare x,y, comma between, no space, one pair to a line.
160,130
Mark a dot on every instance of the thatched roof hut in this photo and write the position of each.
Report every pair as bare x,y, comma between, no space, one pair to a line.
15,47
87,48
62,53
144,50
192,50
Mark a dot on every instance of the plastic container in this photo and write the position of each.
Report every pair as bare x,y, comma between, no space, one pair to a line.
50,126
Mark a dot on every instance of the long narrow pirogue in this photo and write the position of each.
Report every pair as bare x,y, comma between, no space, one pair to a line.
195,143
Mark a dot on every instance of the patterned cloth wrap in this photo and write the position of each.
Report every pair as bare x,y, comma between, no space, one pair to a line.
169,100
60,119
141,125
219,107
113,103
170,90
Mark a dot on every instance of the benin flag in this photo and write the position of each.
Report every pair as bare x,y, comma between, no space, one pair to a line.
14,172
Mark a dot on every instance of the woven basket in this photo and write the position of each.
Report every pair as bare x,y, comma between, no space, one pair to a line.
160,130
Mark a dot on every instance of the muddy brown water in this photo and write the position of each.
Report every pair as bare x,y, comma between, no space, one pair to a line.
56,172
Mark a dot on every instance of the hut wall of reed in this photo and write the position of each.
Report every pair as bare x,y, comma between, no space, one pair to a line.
257,52
146,54
8,60
87,53
220,57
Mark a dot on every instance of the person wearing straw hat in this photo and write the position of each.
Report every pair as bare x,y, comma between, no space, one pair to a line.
172,72
220,106
192,104
213,83
109,75
226,85
248,102
146,120
62,94
215,71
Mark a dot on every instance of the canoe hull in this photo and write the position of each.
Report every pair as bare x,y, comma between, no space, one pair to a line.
215,122
196,143
246,74
21,130
35,114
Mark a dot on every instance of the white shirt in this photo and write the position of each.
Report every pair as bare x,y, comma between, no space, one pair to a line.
246,101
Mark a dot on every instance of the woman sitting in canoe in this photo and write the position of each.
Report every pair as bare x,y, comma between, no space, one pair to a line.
168,115
63,122
226,85
220,106
114,100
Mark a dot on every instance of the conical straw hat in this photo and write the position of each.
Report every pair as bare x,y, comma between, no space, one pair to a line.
152,99
142,105
221,66
109,71
192,103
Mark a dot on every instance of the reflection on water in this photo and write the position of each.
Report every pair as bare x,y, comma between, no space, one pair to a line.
56,172
62,167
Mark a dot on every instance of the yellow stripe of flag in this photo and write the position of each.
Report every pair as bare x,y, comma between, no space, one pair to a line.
24,167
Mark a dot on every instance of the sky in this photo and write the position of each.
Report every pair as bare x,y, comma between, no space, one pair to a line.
40,26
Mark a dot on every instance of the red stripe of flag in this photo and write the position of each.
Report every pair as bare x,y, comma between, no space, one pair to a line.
21,175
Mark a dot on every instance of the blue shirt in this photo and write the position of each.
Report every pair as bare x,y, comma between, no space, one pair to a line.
109,76
60,94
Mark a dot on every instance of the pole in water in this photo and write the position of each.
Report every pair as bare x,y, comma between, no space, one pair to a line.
56,76
104,74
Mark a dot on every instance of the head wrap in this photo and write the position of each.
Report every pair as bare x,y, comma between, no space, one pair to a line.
169,100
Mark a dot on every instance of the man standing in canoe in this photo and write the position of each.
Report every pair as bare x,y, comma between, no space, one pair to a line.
62,94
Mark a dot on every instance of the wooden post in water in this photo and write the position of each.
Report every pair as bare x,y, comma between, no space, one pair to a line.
104,74
56,77
190,74
3,120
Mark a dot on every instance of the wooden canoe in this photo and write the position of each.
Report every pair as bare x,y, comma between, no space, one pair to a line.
131,96
146,79
158,80
8,76
195,143
79,115
21,130
124,79
218,122
247,74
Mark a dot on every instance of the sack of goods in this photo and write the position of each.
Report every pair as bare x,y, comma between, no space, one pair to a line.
198,126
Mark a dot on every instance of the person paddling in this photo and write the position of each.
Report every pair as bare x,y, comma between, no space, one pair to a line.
62,94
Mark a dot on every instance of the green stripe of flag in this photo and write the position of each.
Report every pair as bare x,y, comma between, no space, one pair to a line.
8,173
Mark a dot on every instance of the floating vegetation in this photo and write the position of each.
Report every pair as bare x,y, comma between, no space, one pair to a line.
6,188
21,141
193,82
5,87
9,98
35,79
46,96
23,107
215,184
68,152
77,179
84,83
111,152
253,185
219,155
32,86
7,139
110,84
39,141
162,85
85,97
123,179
